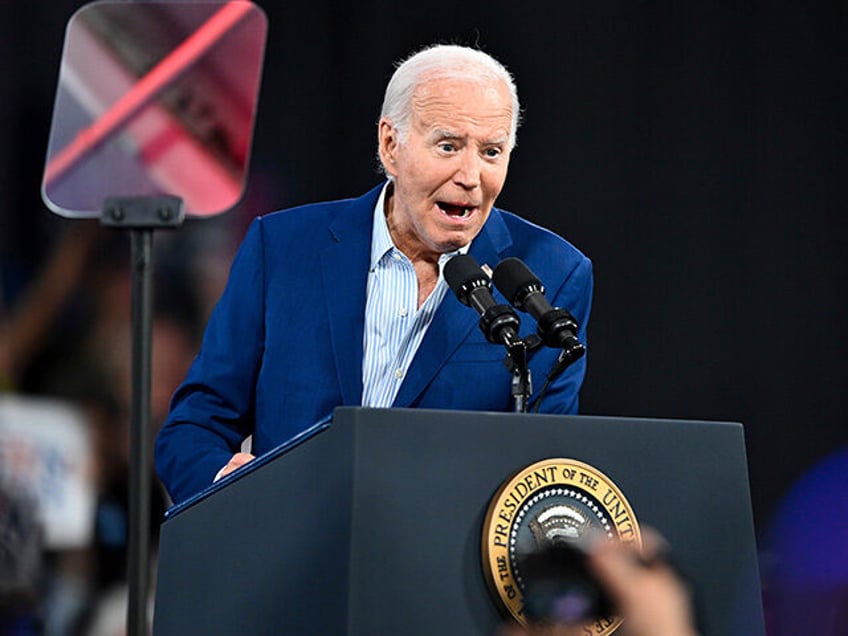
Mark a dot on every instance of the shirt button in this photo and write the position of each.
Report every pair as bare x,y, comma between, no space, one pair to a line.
403,312
398,373
396,256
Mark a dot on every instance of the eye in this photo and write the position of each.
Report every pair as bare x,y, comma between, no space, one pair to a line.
492,153
447,146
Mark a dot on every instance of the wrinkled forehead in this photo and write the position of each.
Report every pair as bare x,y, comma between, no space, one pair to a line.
482,100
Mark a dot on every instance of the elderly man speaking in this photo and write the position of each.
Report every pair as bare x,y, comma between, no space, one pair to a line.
345,302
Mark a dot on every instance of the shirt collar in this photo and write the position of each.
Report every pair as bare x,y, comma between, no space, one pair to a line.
381,240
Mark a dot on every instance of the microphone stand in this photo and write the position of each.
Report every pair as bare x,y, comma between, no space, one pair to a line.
141,215
516,362
499,323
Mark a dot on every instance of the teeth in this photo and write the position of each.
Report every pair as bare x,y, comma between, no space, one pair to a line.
456,211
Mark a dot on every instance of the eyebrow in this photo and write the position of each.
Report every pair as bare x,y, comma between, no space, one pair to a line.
442,133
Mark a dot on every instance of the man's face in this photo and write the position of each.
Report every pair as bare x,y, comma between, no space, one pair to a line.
450,168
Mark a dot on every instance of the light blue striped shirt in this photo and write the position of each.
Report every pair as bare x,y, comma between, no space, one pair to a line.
394,325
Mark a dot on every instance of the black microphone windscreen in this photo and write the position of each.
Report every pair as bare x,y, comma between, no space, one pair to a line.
461,270
511,276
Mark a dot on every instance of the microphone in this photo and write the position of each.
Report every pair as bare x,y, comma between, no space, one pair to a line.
499,323
525,291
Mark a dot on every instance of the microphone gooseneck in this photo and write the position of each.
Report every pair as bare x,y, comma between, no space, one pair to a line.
499,323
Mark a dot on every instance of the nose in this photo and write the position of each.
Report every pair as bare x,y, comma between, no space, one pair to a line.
468,171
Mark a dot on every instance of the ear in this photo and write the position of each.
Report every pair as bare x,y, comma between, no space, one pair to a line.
387,138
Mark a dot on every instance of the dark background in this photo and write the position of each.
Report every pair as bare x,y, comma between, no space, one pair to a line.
695,151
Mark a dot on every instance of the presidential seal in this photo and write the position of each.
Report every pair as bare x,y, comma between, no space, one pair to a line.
543,505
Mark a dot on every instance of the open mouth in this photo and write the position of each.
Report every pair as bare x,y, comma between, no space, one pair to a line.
456,211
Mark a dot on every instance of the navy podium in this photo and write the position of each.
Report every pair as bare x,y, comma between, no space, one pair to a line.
370,524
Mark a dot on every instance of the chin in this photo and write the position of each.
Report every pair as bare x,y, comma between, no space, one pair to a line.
452,246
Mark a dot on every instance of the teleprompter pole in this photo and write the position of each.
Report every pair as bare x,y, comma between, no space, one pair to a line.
141,215
138,570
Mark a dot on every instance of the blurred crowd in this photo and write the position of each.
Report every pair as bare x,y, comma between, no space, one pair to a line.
65,358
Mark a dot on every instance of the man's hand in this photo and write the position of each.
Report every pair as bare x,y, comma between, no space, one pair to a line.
236,461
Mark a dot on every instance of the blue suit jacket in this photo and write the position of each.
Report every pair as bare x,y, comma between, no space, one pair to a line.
283,346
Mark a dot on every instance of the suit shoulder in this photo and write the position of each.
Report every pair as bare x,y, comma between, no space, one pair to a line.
323,220
532,241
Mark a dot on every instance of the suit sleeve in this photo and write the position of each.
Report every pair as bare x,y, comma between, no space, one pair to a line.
575,295
212,411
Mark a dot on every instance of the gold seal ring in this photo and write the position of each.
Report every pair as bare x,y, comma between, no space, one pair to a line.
552,499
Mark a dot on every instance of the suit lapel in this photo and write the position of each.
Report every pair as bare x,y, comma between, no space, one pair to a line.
344,271
453,321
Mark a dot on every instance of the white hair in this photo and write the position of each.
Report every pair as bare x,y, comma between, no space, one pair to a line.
443,61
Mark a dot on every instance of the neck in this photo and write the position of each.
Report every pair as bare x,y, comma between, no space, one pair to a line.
424,261
404,238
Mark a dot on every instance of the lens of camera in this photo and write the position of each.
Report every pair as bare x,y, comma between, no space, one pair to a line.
558,587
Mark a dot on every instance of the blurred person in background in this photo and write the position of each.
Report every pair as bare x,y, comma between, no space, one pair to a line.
65,336
21,575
